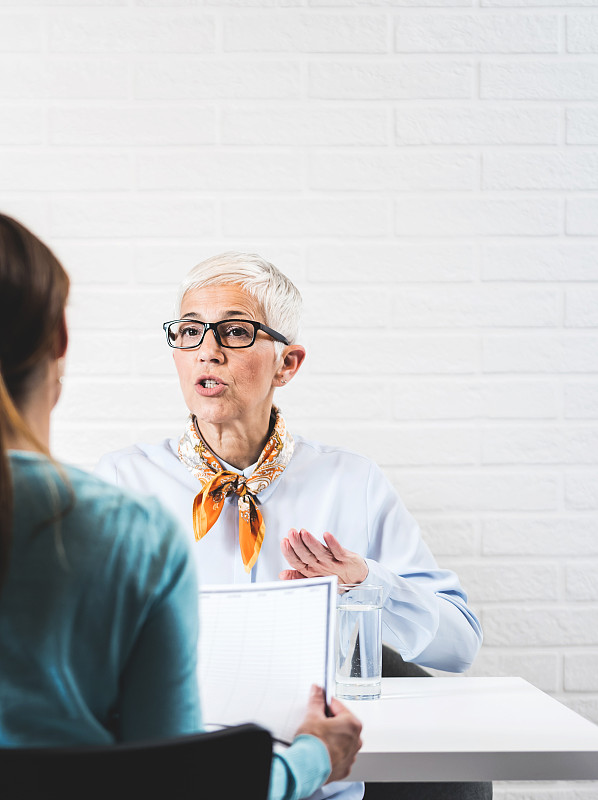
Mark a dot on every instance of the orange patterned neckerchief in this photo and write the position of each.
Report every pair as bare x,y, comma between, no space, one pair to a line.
217,483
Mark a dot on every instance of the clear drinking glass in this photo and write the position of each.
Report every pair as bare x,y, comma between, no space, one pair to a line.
358,641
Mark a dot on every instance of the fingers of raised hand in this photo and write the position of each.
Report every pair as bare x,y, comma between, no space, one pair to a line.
352,565
335,547
311,558
287,549
316,548
304,545
292,553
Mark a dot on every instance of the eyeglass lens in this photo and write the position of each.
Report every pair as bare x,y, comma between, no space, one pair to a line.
232,333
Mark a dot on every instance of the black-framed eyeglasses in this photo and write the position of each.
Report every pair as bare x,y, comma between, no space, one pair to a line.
185,334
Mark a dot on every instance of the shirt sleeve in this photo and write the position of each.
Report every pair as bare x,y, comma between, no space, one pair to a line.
106,469
300,770
425,616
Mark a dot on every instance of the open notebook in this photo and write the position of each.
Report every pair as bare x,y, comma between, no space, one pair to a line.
261,647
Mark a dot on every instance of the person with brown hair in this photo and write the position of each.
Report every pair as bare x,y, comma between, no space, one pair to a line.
98,590
95,585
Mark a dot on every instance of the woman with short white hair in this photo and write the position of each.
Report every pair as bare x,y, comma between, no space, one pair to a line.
263,503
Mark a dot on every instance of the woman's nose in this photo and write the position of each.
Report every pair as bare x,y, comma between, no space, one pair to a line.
209,349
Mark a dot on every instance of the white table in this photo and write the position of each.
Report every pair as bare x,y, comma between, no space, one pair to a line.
471,729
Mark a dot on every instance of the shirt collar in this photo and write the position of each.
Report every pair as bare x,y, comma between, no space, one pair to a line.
246,473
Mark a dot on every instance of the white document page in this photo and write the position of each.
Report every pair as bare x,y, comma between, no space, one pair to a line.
261,647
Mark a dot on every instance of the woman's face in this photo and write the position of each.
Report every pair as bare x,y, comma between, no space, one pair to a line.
240,383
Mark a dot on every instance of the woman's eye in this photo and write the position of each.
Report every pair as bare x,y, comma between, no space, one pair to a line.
236,332
189,331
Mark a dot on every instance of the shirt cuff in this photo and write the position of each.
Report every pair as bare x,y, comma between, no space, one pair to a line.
379,575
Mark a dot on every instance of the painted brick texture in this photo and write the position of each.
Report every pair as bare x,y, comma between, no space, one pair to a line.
427,172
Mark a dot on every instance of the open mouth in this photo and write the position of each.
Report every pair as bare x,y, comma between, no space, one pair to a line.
209,386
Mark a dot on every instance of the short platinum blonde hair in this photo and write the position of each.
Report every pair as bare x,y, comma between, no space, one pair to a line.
277,295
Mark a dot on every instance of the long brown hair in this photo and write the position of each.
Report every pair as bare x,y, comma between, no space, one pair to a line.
33,293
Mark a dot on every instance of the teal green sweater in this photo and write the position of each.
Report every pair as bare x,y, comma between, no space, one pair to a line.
99,624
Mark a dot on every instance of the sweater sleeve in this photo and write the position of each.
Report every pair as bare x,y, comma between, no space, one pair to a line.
299,770
163,662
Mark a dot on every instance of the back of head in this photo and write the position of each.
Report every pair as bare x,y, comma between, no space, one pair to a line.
276,294
33,294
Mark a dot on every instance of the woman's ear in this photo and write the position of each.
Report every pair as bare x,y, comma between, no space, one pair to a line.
293,357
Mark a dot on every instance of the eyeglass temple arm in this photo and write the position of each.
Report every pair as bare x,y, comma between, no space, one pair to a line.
274,334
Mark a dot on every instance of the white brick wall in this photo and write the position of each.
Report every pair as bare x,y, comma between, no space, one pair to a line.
426,168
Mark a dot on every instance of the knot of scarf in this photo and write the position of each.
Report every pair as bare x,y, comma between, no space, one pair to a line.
218,484
209,502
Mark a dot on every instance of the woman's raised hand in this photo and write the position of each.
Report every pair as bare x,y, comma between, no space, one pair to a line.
309,558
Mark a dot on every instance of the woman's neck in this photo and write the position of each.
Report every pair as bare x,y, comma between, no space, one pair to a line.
35,411
240,447
39,425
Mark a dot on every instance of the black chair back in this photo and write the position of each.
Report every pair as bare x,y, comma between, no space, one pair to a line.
229,763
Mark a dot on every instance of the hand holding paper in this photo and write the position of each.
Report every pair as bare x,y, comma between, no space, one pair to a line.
340,732
312,559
